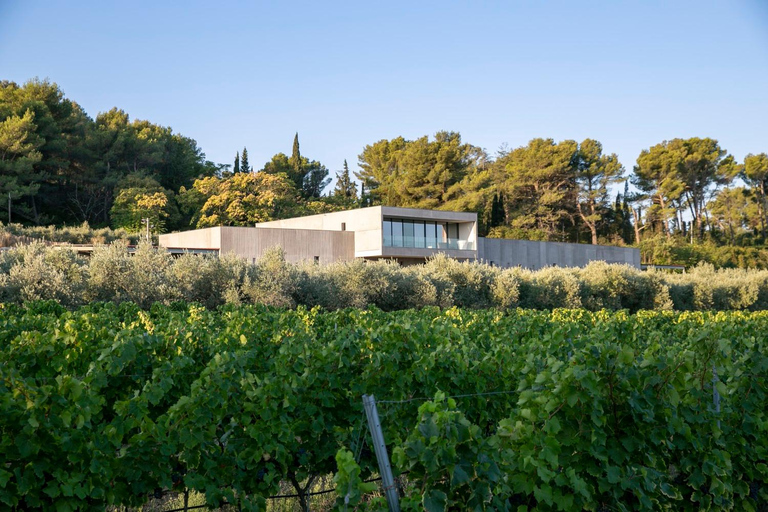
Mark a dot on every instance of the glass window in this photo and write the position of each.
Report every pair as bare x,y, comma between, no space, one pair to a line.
387,233
453,236
419,234
397,233
408,233
431,229
442,236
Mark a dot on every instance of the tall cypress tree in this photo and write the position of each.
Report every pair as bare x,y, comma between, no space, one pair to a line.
236,168
244,166
296,154
363,202
297,172
627,230
498,215
493,220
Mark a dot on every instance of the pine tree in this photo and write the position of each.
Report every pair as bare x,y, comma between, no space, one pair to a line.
345,187
236,168
244,166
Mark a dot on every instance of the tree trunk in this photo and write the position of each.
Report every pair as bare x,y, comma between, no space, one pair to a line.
34,211
664,226
591,225
763,217
301,492
709,223
636,216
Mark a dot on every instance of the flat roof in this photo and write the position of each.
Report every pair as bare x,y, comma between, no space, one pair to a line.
419,213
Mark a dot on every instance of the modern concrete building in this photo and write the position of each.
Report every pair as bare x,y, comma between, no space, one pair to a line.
407,235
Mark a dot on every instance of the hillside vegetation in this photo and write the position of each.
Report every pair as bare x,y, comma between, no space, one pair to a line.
690,200
38,272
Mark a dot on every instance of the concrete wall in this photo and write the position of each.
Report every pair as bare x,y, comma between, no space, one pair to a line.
298,244
365,222
250,243
208,238
536,255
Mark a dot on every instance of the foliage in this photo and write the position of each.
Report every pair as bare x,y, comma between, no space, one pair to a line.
244,199
62,167
538,184
348,481
419,173
244,166
565,410
17,234
345,189
271,281
59,166
143,278
309,177
595,172
755,174
138,198
150,275
34,273
663,250
615,287
18,155
452,458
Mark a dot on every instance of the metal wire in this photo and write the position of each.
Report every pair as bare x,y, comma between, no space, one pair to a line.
425,399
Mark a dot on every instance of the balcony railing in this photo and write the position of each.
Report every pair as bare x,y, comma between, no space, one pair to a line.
454,244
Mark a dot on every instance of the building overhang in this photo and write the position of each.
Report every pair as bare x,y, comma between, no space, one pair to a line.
432,215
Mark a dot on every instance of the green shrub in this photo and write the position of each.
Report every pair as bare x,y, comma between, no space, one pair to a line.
607,286
143,278
506,289
705,288
34,272
209,281
39,272
14,234
472,281
549,288
271,281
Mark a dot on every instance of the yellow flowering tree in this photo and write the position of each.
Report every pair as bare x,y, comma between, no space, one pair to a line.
245,198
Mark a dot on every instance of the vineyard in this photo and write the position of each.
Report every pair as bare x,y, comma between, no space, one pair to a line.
566,410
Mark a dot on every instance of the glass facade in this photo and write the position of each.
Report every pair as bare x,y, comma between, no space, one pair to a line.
423,234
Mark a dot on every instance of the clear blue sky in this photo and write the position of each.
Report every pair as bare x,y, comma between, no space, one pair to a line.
343,75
